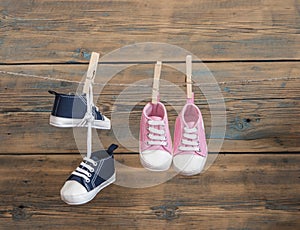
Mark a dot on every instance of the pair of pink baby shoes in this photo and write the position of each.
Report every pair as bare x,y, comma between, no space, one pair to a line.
189,152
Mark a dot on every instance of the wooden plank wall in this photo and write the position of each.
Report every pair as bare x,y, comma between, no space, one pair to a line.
251,47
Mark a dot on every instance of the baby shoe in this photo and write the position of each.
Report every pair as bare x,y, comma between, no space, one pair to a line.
155,139
190,149
71,111
92,175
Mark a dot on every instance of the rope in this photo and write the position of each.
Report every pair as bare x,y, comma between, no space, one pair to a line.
245,81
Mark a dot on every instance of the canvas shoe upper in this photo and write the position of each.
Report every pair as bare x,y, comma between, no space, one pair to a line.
190,148
91,176
155,139
70,111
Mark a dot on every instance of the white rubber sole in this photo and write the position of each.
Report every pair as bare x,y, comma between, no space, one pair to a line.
88,196
62,122
163,167
184,171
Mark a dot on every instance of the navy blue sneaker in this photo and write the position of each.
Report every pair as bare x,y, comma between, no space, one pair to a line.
92,175
70,110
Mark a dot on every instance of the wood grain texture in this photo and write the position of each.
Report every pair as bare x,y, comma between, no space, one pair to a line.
237,192
261,99
252,49
67,31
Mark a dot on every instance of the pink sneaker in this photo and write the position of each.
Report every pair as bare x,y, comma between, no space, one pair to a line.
190,149
155,139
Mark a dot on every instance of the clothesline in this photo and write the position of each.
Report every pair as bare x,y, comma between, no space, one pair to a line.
15,74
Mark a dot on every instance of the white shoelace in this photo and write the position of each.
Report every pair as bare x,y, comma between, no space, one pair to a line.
190,140
88,117
83,173
156,136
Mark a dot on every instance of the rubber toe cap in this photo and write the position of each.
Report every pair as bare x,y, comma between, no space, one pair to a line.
189,164
71,190
157,159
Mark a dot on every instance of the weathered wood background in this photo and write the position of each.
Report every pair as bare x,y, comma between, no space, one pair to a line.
251,47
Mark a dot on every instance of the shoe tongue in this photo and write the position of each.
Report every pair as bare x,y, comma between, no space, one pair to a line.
190,125
190,115
155,118
98,155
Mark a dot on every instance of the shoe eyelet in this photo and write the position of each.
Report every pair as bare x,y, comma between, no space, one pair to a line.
89,175
95,164
87,181
92,170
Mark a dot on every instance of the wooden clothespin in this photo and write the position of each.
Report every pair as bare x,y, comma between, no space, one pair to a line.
155,88
189,89
91,72
88,90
